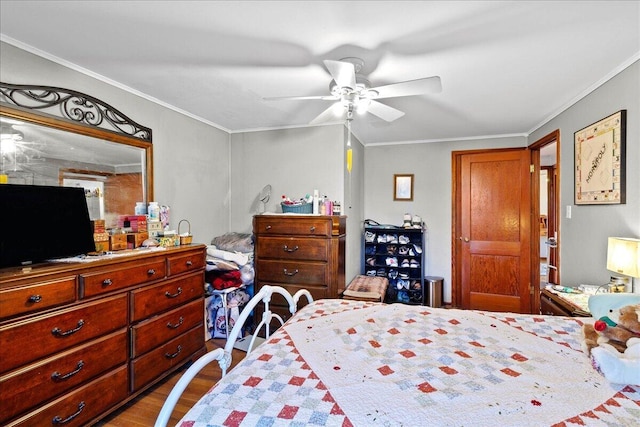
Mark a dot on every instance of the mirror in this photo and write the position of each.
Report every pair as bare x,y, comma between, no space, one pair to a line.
76,149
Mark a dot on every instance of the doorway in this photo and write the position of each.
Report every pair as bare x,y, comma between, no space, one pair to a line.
545,154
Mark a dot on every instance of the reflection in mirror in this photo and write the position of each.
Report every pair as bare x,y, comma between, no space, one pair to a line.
39,149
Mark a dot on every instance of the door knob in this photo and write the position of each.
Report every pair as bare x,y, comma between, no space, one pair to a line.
466,239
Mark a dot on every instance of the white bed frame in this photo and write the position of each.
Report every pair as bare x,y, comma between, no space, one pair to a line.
223,356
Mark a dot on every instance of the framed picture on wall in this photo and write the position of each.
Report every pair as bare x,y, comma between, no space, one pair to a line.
600,161
403,187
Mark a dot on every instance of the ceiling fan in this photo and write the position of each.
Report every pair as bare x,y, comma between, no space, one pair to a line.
352,92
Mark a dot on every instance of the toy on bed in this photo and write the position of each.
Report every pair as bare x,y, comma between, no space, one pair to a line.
613,340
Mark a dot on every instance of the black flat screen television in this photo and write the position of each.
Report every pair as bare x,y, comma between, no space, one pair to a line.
38,223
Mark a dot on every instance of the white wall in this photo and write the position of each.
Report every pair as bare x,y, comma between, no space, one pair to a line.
583,238
191,159
294,162
431,165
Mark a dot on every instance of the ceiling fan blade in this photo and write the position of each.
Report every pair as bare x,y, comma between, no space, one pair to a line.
383,111
344,73
408,88
295,98
330,114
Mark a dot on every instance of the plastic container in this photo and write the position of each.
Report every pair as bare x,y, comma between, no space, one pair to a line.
140,209
154,211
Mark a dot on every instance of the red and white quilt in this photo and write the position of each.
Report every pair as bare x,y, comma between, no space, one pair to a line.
352,363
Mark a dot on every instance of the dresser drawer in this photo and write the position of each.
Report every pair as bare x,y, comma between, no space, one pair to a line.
46,334
301,226
37,297
292,272
83,404
151,333
150,366
42,381
292,248
110,280
183,263
150,300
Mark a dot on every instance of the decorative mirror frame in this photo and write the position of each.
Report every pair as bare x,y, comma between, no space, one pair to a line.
76,112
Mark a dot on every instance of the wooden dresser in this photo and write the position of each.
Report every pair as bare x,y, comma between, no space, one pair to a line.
300,252
78,340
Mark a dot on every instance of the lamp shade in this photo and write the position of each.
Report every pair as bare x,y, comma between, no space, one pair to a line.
623,256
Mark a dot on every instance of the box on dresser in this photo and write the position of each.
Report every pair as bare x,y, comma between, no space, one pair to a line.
98,333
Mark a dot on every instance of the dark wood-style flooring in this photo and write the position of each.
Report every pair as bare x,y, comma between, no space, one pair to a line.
143,411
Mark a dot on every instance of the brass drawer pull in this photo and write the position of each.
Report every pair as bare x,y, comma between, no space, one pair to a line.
189,263
168,295
59,420
151,272
268,227
174,355
56,376
288,249
313,228
58,332
107,282
35,298
175,325
293,273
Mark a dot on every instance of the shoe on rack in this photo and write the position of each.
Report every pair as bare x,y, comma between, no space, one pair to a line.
403,239
414,264
369,237
405,263
392,261
371,261
392,238
392,249
415,285
370,250
392,274
403,250
406,220
417,248
382,238
371,272
404,276
416,222
381,272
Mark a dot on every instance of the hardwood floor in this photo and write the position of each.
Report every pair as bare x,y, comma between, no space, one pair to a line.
143,411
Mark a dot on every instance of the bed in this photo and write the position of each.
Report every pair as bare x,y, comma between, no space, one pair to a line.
354,363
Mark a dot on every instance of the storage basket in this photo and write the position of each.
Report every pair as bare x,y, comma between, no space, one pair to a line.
185,240
303,208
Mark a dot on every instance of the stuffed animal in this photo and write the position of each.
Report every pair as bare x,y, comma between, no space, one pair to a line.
613,342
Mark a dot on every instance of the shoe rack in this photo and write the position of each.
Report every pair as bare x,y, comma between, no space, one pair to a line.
398,254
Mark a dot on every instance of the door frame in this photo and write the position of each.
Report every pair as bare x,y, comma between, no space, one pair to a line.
535,148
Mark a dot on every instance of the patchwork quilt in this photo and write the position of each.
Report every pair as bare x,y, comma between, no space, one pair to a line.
354,363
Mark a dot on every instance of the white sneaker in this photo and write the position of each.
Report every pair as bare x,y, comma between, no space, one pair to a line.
406,221
416,222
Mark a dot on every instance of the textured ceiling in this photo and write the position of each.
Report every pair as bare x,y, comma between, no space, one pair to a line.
506,67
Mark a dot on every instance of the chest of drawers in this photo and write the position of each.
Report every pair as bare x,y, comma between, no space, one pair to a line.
78,340
300,252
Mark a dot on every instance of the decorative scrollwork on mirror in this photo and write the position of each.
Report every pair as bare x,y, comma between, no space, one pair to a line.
56,136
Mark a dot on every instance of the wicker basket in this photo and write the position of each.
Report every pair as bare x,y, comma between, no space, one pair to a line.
185,240
303,208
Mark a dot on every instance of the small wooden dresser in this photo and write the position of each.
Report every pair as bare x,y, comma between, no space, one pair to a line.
300,252
78,340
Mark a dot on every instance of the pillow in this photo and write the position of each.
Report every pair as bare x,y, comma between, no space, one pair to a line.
600,305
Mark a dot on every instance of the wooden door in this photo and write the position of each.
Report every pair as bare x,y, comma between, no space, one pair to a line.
492,230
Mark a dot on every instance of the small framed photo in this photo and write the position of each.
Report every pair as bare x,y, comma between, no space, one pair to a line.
403,187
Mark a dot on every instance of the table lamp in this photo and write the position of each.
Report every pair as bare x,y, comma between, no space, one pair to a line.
623,258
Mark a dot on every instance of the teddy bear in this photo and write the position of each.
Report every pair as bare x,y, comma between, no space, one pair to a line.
613,343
